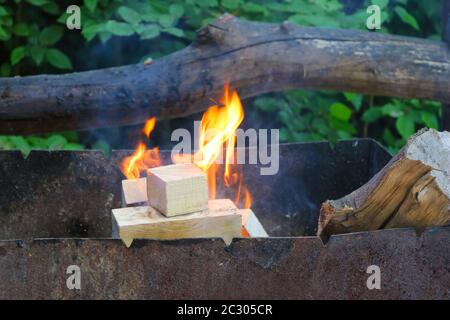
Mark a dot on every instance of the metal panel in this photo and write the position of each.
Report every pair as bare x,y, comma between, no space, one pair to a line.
70,195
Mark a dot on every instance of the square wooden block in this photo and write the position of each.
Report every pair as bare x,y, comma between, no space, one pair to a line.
134,191
177,189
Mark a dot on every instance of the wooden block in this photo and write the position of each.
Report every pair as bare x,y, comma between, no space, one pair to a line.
252,225
221,220
177,189
134,191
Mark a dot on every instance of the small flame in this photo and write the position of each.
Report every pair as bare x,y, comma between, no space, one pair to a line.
149,126
142,158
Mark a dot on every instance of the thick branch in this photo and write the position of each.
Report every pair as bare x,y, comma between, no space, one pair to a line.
254,57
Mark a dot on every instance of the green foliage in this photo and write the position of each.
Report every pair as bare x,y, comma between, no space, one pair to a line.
63,141
28,38
33,34
406,17
307,116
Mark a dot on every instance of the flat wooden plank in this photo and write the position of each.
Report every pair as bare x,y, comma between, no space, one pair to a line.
177,189
221,220
252,225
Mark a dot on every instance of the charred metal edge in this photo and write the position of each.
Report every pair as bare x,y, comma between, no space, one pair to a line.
332,241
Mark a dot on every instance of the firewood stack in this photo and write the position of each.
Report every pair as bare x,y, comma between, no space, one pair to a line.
412,190
178,207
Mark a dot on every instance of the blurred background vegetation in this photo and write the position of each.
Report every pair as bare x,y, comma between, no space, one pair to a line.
34,40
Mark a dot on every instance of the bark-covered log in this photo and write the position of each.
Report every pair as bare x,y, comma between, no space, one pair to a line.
412,190
254,57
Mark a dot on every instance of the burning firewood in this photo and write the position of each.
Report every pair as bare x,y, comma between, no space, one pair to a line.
182,189
412,190
177,189
134,192
221,219
177,195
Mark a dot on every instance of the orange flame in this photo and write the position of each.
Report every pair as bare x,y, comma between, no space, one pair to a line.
149,126
218,131
142,158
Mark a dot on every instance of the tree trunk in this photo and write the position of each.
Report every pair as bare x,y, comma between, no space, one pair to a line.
253,57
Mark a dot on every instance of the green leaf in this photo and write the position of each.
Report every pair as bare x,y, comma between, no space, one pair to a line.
206,3
340,111
406,17
50,35
103,146
175,32
394,110
58,59
129,15
17,55
56,142
89,32
342,125
372,114
37,142
71,136
91,4
63,18
104,36
37,3
51,8
119,28
231,4
166,21
5,69
253,8
355,98
267,104
149,31
150,17
4,35
176,10
37,54
430,120
20,143
388,136
381,3
344,134
3,12
21,29
73,147
5,144
405,126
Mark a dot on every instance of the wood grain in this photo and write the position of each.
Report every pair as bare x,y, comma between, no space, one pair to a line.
251,224
134,191
221,220
177,189
412,190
